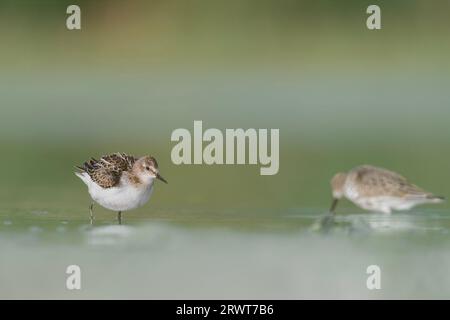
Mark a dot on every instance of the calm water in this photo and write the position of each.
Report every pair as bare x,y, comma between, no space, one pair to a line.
287,255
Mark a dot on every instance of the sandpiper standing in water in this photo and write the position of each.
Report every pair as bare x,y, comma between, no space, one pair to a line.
119,182
378,189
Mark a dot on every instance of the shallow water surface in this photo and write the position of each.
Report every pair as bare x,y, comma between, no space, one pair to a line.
290,255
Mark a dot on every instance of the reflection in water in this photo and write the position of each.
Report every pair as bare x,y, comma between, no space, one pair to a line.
327,222
376,222
332,223
388,222
108,235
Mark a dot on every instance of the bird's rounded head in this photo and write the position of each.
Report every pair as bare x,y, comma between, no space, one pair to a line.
147,169
337,185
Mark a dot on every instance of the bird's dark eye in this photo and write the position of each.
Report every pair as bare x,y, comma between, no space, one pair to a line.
148,168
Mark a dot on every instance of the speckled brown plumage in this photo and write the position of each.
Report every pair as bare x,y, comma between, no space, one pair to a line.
107,171
373,181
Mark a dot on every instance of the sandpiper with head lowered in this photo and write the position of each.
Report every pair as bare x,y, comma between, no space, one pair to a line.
378,189
119,182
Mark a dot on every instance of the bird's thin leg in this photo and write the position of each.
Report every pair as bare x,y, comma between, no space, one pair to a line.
327,222
91,212
119,217
333,206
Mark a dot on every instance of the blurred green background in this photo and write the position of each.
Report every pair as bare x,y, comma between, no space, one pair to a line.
340,94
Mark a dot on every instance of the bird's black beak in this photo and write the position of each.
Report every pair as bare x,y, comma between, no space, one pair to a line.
334,205
158,176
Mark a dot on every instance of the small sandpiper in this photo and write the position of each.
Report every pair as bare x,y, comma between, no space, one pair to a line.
378,189
119,182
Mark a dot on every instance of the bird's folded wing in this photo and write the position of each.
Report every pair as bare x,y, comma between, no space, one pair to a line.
107,171
388,183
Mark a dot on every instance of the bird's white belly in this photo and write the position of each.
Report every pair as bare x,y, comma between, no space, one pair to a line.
384,203
380,203
122,197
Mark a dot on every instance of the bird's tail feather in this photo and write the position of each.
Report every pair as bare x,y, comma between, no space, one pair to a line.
83,176
80,175
82,169
436,199
425,198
